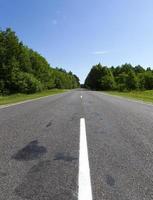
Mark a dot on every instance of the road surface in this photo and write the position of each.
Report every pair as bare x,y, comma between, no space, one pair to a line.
80,145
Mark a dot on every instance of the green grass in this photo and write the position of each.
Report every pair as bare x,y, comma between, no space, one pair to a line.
146,95
10,99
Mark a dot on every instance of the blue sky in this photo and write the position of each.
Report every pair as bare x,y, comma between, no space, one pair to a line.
76,34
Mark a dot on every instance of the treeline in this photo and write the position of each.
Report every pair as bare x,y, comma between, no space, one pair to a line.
122,78
23,70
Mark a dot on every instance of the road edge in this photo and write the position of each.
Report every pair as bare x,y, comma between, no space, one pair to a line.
128,99
29,100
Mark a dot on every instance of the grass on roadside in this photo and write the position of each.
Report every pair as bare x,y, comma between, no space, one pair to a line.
10,99
146,95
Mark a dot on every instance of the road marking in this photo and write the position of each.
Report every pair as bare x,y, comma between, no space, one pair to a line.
81,97
85,191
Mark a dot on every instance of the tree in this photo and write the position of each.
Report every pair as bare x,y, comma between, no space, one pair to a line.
123,78
139,69
93,79
25,70
100,78
148,80
131,82
107,80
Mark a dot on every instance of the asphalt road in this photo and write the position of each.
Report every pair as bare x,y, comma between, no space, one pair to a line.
39,148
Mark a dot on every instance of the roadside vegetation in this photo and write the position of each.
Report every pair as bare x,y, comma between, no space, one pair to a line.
14,98
146,95
121,78
125,80
25,71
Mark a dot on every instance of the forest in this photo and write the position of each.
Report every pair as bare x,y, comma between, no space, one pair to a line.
23,70
122,78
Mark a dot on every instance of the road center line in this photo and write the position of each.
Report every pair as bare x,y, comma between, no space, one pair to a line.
85,191
81,97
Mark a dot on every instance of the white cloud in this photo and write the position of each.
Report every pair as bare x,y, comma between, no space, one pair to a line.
54,21
100,52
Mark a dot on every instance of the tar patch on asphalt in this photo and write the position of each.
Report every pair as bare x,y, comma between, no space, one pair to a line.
49,124
64,157
31,151
110,180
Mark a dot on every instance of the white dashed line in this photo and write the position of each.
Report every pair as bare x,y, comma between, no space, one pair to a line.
81,97
85,191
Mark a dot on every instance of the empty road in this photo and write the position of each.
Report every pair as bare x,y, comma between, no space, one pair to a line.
80,145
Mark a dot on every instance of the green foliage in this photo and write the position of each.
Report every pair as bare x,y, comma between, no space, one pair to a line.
64,80
122,78
100,78
138,69
24,70
107,80
148,80
25,83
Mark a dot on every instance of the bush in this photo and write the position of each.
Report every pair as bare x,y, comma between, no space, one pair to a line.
26,83
122,87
